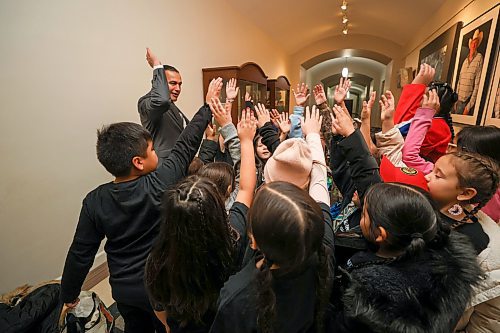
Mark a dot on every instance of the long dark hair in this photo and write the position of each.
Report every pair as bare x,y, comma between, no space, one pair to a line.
409,216
447,99
288,227
484,140
193,255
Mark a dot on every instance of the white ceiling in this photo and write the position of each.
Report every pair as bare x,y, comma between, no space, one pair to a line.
295,24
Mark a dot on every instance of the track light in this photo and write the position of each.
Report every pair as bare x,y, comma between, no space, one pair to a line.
345,19
344,5
345,31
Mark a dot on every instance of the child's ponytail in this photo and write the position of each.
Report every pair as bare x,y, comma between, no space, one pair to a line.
449,122
266,299
417,245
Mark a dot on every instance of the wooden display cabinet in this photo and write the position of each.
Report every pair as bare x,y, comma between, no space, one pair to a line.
278,94
251,78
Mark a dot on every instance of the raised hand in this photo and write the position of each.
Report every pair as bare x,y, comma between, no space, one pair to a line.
319,94
302,94
284,123
231,90
210,132
263,115
275,117
151,58
367,107
425,75
248,98
341,90
311,122
222,117
387,106
214,89
431,101
341,122
247,126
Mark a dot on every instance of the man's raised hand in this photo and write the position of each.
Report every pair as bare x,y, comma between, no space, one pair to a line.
151,58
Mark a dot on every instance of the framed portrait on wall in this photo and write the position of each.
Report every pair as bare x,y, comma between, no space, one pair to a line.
492,116
441,53
473,67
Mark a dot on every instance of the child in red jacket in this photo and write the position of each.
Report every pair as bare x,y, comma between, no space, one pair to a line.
441,132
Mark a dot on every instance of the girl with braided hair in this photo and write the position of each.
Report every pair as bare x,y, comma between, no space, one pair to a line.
462,183
200,245
485,141
465,142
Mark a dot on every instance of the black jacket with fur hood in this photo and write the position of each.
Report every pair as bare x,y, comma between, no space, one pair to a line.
427,294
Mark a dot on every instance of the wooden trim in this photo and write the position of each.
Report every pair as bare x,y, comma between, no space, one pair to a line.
95,276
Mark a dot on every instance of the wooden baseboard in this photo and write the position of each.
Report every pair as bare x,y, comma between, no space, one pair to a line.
96,275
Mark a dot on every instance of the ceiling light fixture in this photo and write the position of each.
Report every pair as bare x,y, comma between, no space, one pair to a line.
345,70
345,19
344,5
346,30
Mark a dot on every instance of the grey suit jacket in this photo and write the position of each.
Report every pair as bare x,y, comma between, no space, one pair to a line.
160,116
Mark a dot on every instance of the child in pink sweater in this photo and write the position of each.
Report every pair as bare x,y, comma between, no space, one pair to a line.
475,139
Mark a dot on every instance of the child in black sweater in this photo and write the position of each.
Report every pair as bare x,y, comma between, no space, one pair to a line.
127,211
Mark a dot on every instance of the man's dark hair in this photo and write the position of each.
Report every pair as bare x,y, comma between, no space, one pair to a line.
170,68
118,143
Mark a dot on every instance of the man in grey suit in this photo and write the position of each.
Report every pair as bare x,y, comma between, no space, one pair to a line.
159,115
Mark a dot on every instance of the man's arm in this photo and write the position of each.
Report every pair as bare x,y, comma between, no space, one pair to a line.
80,256
158,101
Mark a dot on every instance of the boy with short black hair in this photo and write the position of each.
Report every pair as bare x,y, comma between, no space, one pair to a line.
127,212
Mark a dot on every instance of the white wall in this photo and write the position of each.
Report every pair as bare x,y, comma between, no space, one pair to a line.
67,68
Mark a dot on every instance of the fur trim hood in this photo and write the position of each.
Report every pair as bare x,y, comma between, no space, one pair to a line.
428,294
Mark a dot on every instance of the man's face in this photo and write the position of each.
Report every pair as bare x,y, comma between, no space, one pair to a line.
474,44
174,82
